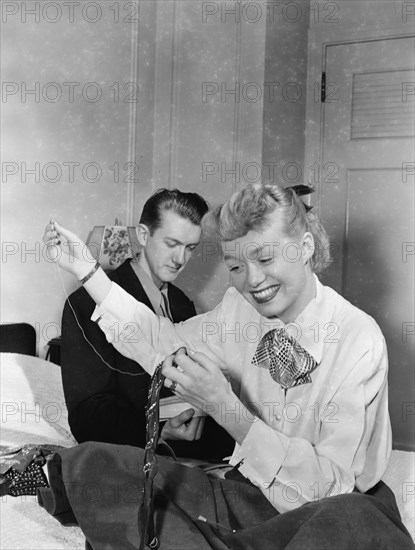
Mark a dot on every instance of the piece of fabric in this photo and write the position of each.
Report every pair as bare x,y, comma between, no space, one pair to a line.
101,485
107,405
288,363
26,482
307,442
21,472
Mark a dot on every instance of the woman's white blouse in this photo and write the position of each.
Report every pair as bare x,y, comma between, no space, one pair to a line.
314,440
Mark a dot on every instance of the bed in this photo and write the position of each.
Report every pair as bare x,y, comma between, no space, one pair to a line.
33,411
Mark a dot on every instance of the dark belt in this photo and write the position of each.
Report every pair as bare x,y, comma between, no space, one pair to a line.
145,514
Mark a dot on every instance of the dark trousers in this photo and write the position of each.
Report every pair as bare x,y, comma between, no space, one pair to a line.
99,487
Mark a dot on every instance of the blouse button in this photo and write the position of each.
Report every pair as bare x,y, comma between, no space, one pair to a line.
278,417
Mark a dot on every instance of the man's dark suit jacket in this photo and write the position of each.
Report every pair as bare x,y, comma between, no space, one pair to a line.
108,406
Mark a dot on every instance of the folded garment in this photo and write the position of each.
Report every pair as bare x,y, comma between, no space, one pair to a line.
55,499
103,484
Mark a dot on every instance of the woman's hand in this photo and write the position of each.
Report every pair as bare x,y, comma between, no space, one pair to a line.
197,379
201,382
67,250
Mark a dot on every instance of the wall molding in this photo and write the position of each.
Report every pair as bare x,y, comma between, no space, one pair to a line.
133,121
170,91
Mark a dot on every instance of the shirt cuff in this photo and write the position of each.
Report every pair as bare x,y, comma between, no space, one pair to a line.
118,305
116,317
261,454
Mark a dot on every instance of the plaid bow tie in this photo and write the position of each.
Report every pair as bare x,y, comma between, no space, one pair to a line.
288,363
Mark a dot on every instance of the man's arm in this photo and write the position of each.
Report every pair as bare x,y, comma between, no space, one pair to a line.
97,409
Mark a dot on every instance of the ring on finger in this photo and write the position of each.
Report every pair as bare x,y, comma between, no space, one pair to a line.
173,387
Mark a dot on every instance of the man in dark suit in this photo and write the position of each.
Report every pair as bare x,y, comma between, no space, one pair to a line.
105,392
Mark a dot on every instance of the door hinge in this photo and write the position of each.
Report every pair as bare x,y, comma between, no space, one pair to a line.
323,87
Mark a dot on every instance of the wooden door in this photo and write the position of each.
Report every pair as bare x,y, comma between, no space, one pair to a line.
367,198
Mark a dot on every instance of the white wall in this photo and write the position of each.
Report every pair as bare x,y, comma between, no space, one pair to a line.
46,134
200,131
169,49
359,14
284,109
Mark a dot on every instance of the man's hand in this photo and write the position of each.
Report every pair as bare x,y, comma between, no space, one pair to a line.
184,427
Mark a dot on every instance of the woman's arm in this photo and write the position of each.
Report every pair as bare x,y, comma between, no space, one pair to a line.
130,326
72,255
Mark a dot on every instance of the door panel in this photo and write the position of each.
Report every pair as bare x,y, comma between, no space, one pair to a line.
368,206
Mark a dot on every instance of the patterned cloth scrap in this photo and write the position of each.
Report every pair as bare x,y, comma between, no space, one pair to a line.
21,472
287,361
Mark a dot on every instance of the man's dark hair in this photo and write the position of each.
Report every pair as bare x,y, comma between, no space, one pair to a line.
190,206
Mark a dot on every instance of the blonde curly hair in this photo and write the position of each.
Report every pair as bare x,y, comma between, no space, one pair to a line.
249,210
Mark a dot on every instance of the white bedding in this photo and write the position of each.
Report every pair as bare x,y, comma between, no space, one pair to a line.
33,411
400,477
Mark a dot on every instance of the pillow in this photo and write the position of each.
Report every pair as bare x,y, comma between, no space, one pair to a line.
33,407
